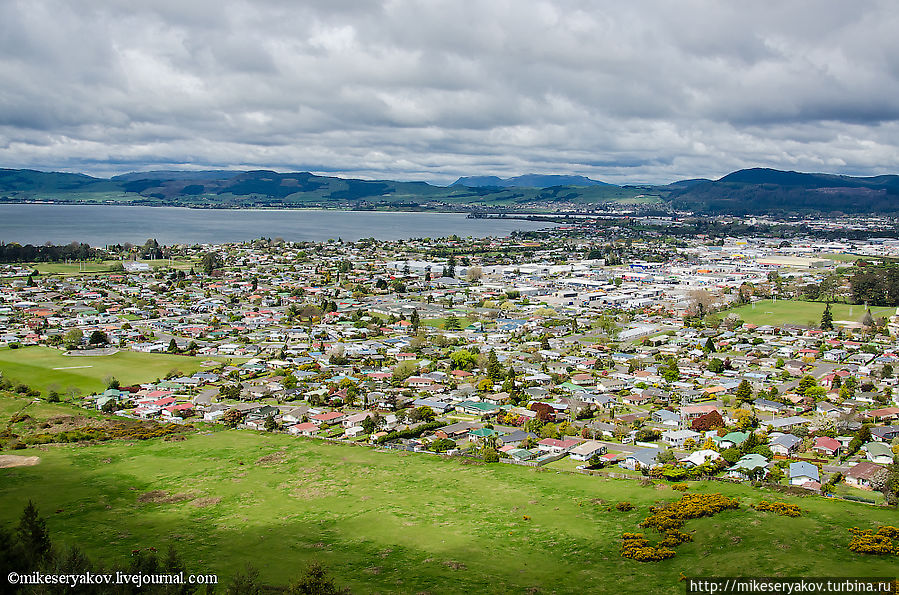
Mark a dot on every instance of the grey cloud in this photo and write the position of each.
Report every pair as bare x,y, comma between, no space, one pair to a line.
625,92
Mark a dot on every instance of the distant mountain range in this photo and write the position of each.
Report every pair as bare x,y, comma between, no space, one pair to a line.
527,181
748,191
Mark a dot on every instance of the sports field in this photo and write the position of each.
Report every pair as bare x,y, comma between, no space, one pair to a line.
46,368
797,312
390,522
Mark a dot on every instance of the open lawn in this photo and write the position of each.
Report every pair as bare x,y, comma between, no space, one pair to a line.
797,312
46,368
105,266
391,522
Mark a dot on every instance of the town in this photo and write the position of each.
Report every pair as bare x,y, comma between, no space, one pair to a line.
752,359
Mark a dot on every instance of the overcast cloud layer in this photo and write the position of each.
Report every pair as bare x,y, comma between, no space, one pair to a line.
432,89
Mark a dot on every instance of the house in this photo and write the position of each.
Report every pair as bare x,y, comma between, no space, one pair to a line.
766,405
456,431
688,412
879,452
666,418
885,433
517,437
784,424
585,450
802,472
641,458
304,429
748,465
331,417
352,421
477,407
863,474
784,444
700,457
553,446
731,439
677,438
827,446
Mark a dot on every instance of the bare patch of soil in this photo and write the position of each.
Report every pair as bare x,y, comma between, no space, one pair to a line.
17,461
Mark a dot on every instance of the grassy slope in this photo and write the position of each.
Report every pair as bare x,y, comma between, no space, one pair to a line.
35,366
388,522
797,312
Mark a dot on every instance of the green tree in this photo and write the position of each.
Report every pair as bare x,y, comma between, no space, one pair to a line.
245,582
744,391
452,323
173,347
827,319
494,368
73,338
415,320
463,359
315,581
98,337
34,539
210,262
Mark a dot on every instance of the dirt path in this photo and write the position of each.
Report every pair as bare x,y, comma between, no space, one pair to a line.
17,461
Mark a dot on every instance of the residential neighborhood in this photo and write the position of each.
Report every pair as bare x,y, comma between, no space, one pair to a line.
528,351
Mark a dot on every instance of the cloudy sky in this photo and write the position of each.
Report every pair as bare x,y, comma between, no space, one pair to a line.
646,91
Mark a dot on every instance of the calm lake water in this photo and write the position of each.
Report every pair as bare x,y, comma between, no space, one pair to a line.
99,225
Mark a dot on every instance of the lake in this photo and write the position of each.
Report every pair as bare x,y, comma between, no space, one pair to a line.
99,225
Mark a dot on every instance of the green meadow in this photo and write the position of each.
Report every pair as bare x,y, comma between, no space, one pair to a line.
391,522
798,312
46,368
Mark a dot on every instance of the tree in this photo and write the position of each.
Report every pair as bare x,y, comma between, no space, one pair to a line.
744,391
451,323
708,421
494,368
544,412
73,338
716,365
245,582
709,346
827,319
474,274
315,581
415,320
34,539
805,383
463,359
210,262
232,417
98,337
173,347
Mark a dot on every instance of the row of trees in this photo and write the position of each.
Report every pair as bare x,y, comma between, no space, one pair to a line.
47,253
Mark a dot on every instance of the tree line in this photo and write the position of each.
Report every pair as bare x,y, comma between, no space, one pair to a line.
876,285
13,252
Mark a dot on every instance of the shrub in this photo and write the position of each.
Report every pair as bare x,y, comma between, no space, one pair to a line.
636,547
878,542
624,506
781,508
668,520
680,487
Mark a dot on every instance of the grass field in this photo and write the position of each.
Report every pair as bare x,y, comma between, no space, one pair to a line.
390,522
796,312
45,368
106,266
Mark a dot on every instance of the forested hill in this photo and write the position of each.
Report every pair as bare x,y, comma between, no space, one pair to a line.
748,191
756,191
